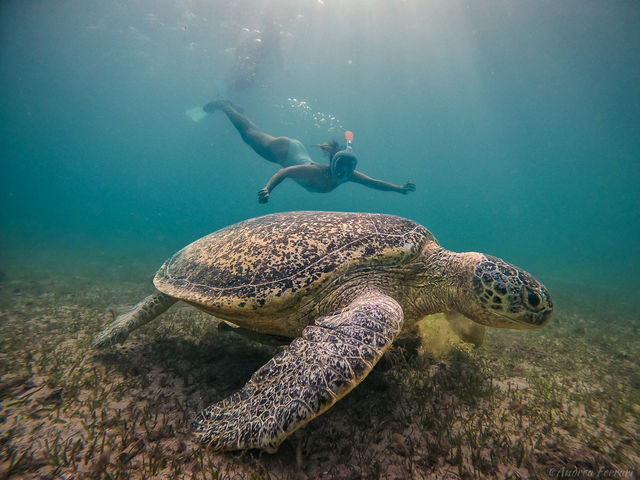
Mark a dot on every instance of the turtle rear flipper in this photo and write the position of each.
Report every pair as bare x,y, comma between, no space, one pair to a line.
142,313
315,371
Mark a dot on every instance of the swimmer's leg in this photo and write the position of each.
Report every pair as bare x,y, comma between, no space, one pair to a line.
270,148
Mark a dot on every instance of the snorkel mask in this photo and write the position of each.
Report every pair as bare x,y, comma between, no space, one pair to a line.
344,162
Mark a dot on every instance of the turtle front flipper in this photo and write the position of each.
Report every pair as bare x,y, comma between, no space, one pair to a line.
142,313
315,371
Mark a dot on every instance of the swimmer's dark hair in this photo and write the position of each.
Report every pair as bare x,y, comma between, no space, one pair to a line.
330,148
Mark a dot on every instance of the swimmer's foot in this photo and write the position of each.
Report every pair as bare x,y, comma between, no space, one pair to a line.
198,113
221,105
213,106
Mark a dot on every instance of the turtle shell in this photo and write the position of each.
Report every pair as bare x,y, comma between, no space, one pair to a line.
271,261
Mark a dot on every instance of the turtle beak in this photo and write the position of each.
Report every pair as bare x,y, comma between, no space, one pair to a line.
523,322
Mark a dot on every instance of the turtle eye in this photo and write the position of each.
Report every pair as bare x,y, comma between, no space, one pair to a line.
533,299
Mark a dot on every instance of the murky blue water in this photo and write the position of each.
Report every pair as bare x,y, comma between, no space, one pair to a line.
519,122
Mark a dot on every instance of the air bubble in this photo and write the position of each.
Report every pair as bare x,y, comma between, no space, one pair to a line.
321,120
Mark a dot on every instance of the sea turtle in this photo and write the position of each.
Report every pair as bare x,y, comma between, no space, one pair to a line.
343,285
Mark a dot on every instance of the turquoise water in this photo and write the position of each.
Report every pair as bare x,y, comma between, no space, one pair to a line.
519,122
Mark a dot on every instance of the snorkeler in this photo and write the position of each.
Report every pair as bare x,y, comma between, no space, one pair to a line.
296,163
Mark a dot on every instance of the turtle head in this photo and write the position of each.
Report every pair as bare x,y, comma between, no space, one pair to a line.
503,295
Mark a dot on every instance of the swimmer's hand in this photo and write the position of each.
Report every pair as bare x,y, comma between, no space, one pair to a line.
408,187
263,195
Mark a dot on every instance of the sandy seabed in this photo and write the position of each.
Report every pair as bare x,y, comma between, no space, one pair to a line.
560,402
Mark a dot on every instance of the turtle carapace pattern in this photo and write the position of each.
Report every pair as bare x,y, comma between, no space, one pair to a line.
343,286
272,263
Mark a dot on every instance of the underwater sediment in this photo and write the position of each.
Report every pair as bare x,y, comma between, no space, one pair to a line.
560,401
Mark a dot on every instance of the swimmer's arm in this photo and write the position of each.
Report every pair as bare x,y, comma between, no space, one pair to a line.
362,179
297,171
